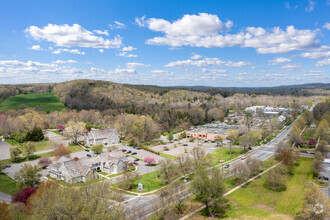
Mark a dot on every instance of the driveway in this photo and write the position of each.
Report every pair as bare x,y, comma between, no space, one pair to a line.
4,150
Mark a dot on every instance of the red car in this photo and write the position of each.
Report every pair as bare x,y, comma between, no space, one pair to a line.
139,148
123,150
135,163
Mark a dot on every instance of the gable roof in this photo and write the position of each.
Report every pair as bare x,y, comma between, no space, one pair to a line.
101,134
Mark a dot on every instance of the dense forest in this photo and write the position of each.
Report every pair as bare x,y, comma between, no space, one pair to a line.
135,110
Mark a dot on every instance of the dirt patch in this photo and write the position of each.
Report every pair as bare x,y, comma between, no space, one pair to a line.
264,207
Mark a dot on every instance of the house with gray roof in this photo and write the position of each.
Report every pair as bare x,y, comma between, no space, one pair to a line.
85,168
106,137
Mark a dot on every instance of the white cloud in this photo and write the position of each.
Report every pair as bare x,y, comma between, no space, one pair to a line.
73,51
17,63
326,26
324,62
105,32
290,67
36,47
141,21
101,50
311,6
65,61
207,62
242,74
134,65
125,54
128,49
202,24
202,30
71,36
160,71
214,71
195,57
278,60
117,25
311,74
315,55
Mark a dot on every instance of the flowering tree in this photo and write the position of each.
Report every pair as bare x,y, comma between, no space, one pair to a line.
149,160
311,141
60,127
23,195
44,162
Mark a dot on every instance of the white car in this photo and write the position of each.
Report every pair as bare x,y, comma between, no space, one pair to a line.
243,158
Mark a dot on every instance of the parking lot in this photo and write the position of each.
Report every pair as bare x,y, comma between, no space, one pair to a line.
176,148
141,154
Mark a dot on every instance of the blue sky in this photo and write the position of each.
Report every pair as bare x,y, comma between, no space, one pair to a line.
210,42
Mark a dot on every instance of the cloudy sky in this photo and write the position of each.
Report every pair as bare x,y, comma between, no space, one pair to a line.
169,42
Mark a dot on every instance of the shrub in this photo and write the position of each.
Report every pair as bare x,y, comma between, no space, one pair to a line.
23,195
18,136
311,141
44,162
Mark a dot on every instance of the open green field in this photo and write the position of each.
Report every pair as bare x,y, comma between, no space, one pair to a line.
46,101
40,145
7,185
254,201
149,178
223,154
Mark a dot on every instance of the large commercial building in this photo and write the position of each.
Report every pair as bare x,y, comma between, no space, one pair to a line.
209,131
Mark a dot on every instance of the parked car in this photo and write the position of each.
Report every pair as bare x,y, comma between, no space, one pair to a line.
6,166
129,151
243,158
123,150
212,141
206,141
87,150
139,148
212,148
226,166
135,163
137,159
185,144
88,155
135,147
126,156
133,153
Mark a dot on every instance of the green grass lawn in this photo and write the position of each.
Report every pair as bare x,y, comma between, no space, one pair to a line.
40,145
151,178
75,148
168,156
7,185
57,132
47,101
255,201
223,154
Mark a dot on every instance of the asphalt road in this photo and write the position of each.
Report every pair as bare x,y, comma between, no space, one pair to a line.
141,207
4,150
5,197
